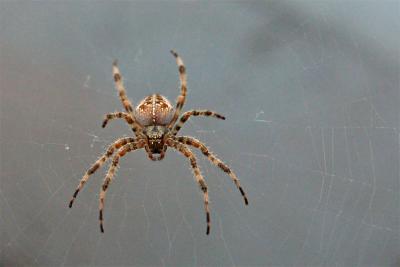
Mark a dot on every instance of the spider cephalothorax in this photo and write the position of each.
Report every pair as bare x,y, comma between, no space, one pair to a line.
155,135
154,122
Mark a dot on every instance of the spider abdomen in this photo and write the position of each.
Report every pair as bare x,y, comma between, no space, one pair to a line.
154,110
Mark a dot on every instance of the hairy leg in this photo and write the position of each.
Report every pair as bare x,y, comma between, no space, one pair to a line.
182,97
117,115
214,160
121,89
116,145
110,174
188,114
136,127
199,178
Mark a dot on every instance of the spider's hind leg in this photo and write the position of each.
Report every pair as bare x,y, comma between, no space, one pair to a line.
121,89
182,97
131,120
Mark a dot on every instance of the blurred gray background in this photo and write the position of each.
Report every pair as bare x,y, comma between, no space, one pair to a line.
310,90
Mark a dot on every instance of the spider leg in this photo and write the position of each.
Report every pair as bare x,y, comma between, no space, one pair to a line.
214,160
111,171
181,98
199,178
116,145
187,114
117,115
136,127
121,89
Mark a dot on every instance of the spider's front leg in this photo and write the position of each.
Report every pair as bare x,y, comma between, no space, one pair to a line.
116,145
110,174
199,178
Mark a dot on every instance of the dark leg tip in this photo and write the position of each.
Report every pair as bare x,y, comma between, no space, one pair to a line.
174,53
101,228
219,116
115,62
70,203
104,124
246,202
208,230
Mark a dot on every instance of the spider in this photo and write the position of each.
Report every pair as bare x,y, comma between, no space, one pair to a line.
154,123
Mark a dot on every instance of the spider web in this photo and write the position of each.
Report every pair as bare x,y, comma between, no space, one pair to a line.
311,94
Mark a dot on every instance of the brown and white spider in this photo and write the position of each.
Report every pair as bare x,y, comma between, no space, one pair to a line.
153,122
